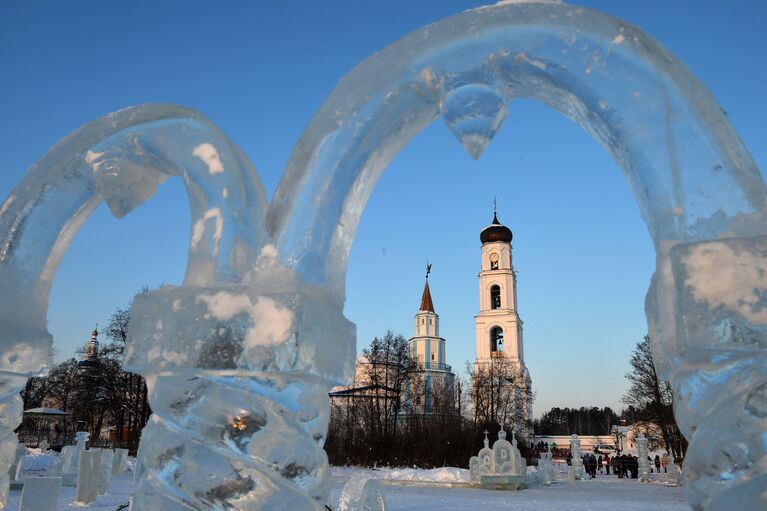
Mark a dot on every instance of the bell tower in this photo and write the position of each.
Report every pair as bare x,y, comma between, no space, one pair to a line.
499,327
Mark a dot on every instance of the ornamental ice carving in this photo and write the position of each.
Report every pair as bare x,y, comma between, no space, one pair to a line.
249,397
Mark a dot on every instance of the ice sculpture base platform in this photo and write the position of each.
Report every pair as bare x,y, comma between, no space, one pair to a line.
496,482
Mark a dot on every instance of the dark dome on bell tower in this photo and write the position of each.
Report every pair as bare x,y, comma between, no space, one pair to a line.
495,232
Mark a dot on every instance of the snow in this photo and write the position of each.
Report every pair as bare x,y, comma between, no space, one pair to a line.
209,154
604,492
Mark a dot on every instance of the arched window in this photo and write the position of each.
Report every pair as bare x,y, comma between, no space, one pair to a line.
495,297
496,339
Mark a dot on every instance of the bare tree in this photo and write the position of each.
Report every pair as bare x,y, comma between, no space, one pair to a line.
499,394
651,398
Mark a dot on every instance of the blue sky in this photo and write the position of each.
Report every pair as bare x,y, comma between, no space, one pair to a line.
260,71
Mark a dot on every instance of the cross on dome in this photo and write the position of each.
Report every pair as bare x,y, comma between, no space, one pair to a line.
495,231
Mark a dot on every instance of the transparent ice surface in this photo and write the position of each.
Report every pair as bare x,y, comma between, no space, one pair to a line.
239,358
693,180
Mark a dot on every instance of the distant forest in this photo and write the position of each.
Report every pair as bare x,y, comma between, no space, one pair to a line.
581,421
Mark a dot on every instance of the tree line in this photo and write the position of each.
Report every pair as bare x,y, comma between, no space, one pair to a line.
394,415
581,421
97,398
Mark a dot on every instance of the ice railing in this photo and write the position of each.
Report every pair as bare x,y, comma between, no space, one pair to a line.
239,358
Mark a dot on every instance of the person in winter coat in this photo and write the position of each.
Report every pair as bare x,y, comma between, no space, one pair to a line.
607,464
657,464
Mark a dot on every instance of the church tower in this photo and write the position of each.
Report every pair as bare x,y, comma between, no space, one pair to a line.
427,351
91,355
499,329
427,348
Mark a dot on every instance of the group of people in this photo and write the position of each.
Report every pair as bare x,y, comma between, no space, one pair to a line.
624,465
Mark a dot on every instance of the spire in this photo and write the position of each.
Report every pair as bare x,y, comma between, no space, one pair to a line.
495,212
495,231
90,357
426,303
92,348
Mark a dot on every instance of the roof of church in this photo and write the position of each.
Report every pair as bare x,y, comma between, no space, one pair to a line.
495,232
426,303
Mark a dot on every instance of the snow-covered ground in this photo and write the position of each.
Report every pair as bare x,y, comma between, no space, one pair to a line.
604,492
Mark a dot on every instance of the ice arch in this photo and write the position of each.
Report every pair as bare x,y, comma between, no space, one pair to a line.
120,158
699,192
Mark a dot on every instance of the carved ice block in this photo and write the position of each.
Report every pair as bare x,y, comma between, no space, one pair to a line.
88,471
40,494
119,461
474,468
362,495
105,470
21,451
240,396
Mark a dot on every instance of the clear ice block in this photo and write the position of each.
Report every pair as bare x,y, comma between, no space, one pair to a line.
257,367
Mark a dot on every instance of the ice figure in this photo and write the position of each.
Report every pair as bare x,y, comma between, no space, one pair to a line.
505,462
238,359
643,459
698,190
486,459
577,458
246,367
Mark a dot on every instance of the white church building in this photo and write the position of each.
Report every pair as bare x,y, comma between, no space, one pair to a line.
499,336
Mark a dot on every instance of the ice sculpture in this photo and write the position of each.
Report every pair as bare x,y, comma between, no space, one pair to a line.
643,459
501,467
238,358
698,190
577,458
362,495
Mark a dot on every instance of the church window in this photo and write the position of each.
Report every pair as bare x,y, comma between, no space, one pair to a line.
423,321
495,297
431,322
496,339
432,356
